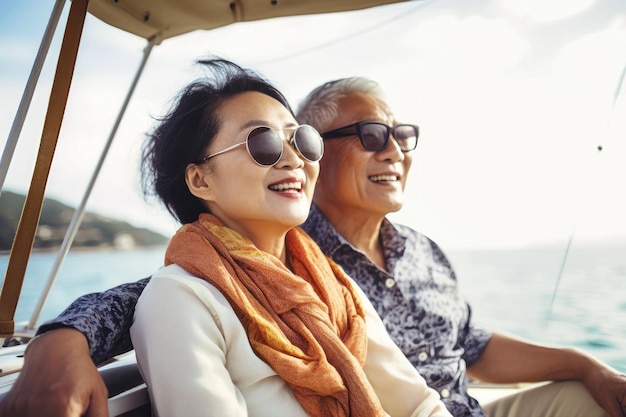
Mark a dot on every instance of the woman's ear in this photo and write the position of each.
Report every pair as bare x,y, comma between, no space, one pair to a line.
196,179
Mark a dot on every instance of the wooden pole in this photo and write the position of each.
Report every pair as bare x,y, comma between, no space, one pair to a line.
27,227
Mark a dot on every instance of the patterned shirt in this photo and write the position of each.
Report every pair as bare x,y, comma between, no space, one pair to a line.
417,299
419,302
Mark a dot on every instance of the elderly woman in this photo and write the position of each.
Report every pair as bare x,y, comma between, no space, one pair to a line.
248,317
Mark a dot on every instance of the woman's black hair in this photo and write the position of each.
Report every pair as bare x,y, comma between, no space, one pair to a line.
185,132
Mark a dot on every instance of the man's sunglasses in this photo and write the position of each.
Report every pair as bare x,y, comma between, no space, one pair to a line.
374,136
265,146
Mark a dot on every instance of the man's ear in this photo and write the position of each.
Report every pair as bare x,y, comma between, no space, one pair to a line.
196,179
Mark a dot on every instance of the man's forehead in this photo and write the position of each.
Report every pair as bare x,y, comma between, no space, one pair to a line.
360,106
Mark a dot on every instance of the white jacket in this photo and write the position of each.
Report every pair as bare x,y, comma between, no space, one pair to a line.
197,361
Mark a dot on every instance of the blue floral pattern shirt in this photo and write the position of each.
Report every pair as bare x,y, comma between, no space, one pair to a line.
419,302
417,299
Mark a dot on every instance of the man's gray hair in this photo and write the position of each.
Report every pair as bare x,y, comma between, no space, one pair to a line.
321,106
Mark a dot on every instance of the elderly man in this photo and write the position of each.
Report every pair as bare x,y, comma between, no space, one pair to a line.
406,275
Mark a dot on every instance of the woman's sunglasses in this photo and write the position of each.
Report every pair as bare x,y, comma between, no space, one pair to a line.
265,146
374,136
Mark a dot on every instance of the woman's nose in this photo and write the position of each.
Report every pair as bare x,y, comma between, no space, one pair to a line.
291,158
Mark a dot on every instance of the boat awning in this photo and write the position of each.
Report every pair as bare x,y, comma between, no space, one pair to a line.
164,19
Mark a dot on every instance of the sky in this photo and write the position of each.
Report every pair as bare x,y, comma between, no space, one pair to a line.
513,99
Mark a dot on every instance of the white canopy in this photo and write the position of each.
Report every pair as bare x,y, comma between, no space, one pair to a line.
168,18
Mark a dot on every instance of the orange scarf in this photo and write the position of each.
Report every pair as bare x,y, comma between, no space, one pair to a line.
308,325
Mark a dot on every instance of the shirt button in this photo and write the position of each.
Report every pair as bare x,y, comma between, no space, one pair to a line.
389,282
422,356
445,393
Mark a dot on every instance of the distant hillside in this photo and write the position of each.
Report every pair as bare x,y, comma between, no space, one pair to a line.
96,231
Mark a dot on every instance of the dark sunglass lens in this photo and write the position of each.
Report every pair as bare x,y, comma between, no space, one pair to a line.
406,136
265,146
374,136
309,143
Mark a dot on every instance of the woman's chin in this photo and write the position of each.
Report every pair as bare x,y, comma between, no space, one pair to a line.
294,219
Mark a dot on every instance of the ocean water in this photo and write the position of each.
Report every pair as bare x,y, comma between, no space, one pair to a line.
509,290
80,273
524,292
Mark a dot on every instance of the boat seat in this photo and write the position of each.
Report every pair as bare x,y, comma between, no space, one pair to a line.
128,394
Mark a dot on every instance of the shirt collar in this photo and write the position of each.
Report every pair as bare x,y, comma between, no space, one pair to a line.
320,229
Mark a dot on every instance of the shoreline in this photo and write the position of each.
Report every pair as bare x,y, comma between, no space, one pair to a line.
104,248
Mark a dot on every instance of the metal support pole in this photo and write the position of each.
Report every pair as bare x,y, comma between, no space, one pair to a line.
27,227
29,90
79,214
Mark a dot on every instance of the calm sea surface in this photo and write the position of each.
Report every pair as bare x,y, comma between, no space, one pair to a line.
508,290
514,291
